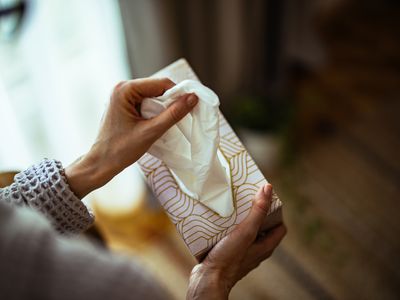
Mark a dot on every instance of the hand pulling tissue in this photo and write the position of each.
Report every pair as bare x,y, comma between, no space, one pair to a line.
190,148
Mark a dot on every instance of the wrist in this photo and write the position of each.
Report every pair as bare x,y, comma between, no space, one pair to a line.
206,284
89,172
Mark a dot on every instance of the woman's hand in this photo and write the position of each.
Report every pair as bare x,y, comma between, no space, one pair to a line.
237,254
124,135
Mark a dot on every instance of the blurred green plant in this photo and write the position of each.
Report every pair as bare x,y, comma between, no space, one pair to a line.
261,113
267,115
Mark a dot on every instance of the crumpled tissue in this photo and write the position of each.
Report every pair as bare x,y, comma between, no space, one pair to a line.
190,148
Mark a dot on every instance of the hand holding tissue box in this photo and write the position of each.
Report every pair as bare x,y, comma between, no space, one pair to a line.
199,170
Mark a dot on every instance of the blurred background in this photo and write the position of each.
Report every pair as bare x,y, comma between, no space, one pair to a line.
311,87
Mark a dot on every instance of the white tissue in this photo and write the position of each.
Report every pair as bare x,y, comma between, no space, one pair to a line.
190,148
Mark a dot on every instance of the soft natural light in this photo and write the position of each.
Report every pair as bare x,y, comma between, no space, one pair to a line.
56,77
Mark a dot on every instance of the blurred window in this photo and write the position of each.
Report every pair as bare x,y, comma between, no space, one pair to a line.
56,75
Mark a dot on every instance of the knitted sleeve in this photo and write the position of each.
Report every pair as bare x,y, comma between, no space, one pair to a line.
44,188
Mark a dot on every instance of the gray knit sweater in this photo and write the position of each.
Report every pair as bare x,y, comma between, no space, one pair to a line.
39,257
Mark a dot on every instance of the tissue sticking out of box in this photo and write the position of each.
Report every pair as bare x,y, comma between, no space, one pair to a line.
190,148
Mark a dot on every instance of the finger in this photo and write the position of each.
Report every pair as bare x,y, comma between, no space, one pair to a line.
261,250
261,204
237,242
173,114
265,246
147,87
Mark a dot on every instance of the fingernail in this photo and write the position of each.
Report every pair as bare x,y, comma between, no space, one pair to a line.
192,100
267,190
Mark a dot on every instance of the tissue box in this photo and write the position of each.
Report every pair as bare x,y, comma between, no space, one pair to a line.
200,227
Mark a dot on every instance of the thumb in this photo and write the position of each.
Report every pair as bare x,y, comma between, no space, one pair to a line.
173,114
261,204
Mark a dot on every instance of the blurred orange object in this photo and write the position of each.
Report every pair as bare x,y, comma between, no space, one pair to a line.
6,178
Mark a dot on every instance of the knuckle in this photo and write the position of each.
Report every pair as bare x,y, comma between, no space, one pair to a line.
261,206
119,85
116,93
167,81
175,112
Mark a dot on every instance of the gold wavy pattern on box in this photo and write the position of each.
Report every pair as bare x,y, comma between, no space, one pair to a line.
200,227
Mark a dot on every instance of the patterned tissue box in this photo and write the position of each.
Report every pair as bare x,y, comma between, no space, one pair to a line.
200,227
